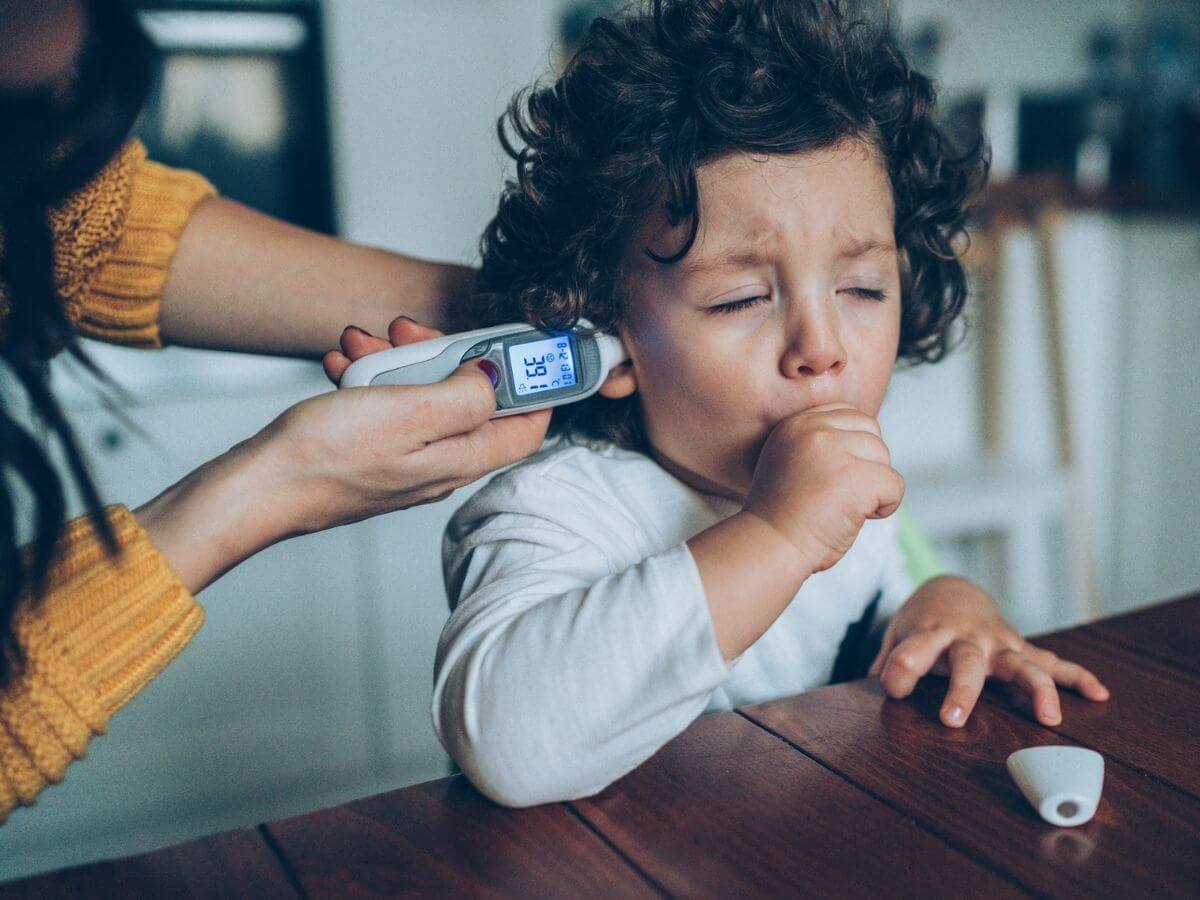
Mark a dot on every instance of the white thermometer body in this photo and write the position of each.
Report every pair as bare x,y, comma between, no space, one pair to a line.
534,368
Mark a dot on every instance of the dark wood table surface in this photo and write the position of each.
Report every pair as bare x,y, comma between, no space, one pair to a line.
838,792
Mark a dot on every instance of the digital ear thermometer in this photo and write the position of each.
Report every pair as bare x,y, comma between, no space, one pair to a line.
537,368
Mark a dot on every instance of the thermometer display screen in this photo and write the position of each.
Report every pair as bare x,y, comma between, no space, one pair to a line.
543,365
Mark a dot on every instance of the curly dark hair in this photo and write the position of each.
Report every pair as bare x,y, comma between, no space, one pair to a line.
51,144
656,92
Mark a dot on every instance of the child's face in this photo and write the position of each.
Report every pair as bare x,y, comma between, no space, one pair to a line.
789,299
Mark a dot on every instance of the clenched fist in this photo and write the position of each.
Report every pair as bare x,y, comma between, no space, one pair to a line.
821,474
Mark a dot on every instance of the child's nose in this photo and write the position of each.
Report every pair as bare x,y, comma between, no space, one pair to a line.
815,349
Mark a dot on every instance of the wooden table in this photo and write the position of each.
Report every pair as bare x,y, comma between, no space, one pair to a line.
838,792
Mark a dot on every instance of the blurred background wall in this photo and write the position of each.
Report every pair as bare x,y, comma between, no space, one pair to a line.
1050,457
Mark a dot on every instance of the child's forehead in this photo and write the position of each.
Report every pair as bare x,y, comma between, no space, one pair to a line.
752,206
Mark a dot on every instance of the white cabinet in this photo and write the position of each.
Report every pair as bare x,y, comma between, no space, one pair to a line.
309,683
1158,504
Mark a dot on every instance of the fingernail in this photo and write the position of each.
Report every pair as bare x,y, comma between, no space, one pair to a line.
490,370
954,715
1050,717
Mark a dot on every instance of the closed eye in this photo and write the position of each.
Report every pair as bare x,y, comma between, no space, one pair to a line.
868,293
737,305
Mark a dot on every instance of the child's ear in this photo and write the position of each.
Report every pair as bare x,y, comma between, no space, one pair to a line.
621,382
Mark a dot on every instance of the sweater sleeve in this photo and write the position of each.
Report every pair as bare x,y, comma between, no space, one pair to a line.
559,672
113,244
102,630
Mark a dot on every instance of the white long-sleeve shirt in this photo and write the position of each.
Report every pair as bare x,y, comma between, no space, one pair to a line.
580,640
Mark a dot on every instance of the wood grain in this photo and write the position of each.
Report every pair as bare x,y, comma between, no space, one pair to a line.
727,809
1152,719
443,838
237,864
838,792
1168,631
1142,841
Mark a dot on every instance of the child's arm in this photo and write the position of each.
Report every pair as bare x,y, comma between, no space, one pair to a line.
820,476
561,670
949,626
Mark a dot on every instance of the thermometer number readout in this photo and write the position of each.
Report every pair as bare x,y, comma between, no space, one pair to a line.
543,365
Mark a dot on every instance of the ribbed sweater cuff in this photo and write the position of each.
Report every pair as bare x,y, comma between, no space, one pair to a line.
102,630
122,302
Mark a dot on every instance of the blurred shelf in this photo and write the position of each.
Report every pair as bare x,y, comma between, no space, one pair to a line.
1024,196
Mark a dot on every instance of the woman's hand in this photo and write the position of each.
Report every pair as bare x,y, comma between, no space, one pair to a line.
949,626
337,458
355,343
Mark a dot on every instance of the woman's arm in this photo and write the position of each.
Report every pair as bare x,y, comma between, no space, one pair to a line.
242,280
333,459
105,627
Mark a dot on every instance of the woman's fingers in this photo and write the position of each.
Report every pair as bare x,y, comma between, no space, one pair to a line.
356,343
495,443
404,330
335,363
910,659
968,672
1016,667
353,344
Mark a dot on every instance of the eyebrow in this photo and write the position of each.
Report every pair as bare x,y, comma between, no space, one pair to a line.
754,251
864,246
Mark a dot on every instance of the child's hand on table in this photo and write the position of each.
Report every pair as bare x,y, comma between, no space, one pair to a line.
949,626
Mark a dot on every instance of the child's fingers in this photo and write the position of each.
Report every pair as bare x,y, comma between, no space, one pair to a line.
846,418
1068,674
911,659
1010,665
1073,675
968,672
880,658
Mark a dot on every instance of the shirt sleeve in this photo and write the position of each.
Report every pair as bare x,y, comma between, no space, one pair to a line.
558,671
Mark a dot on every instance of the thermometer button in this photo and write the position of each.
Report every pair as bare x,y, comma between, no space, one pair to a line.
477,350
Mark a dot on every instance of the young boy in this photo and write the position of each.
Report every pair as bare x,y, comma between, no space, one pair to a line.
756,197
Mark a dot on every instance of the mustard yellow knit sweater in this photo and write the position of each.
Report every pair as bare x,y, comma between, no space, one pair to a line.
104,627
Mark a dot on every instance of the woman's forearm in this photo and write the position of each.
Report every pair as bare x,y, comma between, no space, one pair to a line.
219,515
332,459
242,280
